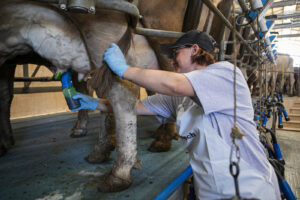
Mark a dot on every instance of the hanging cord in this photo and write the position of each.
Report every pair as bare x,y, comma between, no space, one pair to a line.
235,132
260,77
241,24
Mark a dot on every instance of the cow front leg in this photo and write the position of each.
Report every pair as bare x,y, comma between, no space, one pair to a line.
80,127
6,91
123,100
106,140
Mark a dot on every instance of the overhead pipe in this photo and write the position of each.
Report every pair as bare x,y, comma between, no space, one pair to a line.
285,3
118,5
286,25
212,7
280,17
157,33
288,35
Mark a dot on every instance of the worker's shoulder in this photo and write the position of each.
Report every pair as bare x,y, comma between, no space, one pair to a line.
221,65
224,66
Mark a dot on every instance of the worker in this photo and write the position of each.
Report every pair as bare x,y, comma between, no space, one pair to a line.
199,97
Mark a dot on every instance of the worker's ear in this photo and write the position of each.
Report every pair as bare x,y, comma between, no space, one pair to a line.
195,49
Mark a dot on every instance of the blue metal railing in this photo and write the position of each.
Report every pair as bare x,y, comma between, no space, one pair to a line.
174,185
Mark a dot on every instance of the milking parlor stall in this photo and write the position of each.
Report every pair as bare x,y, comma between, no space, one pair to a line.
52,50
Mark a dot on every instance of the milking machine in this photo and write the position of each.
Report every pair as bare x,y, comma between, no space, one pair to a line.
264,109
273,103
68,90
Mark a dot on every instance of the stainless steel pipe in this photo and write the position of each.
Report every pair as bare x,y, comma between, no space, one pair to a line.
157,33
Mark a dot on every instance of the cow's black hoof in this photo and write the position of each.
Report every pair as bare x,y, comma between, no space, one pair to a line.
160,146
97,158
112,183
78,132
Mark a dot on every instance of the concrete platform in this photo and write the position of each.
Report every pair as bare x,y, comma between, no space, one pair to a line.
47,164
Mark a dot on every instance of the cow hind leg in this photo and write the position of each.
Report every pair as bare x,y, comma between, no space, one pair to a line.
123,99
6,91
163,135
106,140
80,127
163,138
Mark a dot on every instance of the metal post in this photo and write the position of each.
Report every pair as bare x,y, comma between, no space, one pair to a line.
25,74
266,83
34,73
222,51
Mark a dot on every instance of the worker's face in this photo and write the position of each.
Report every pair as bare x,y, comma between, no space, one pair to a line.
182,59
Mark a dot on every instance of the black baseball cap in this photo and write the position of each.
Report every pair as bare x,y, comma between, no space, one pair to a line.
202,39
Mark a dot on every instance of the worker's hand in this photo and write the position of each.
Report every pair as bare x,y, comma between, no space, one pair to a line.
86,102
115,59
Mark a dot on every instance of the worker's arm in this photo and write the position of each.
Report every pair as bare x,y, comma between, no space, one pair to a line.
87,102
105,106
163,82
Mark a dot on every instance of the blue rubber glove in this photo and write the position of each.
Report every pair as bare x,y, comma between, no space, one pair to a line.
115,59
86,102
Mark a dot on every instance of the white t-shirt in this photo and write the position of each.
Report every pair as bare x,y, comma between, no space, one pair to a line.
214,92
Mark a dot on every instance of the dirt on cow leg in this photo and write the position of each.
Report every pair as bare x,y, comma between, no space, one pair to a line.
163,138
80,127
106,141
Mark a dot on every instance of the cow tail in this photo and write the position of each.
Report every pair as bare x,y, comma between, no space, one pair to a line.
102,78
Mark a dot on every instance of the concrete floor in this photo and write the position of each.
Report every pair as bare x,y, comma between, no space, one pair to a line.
289,143
47,164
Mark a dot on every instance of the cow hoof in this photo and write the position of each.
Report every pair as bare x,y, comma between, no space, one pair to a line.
112,183
137,164
78,132
159,146
97,158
